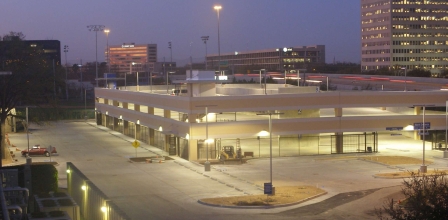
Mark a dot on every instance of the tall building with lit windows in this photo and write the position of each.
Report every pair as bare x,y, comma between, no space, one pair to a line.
404,34
122,56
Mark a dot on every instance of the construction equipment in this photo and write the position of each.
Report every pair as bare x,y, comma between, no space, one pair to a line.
227,152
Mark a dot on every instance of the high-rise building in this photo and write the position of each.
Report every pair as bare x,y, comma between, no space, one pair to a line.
404,34
122,56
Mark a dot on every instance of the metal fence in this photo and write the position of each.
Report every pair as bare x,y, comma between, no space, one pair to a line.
93,203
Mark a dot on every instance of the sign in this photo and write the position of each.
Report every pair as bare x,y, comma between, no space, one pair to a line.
394,128
224,63
268,188
419,125
420,132
136,144
127,45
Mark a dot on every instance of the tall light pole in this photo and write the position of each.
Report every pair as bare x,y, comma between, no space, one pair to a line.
207,163
66,89
270,141
217,8
405,79
445,153
205,39
171,51
107,51
96,28
423,167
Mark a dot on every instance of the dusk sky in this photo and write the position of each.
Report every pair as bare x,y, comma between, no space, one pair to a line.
244,25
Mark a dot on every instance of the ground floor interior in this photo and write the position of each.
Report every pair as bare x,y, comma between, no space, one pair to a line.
261,146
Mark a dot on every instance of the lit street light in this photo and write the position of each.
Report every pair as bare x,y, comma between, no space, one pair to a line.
217,8
270,144
96,28
207,141
107,51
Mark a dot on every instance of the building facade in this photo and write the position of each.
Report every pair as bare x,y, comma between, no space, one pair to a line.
404,34
304,120
279,59
142,55
51,49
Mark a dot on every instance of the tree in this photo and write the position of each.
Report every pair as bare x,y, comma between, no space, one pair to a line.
425,197
31,82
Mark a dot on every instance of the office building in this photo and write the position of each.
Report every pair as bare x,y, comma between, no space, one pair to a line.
278,59
51,49
142,55
404,34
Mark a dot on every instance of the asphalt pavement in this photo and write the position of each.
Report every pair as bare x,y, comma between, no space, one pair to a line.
171,190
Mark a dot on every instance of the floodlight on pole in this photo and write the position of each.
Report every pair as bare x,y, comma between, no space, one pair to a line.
218,8
108,56
205,39
270,138
423,167
96,28
207,141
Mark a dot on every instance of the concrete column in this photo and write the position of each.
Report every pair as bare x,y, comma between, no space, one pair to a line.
166,113
125,105
339,143
125,127
151,136
136,107
106,101
151,110
137,132
192,149
116,120
337,112
192,118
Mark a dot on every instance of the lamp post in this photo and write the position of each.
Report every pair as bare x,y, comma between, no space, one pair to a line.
207,163
405,78
171,51
270,144
107,51
205,39
80,72
217,8
260,76
445,153
423,167
96,28
66,89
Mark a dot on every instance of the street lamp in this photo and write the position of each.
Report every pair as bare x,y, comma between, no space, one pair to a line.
445,153
260,76
270,142
205,39
171,51
217,8
66,89
96,28
107,51
207,163
423,167
405,78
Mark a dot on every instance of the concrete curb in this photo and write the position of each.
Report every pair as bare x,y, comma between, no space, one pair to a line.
262,207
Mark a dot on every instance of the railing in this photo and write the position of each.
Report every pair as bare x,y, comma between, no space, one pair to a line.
93,203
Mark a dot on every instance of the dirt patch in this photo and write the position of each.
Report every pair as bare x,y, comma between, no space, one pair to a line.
408,173
283,195
395,160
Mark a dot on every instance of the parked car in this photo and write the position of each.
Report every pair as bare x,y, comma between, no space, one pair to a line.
38,150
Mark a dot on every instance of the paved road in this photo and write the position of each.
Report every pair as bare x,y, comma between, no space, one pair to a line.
171,190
